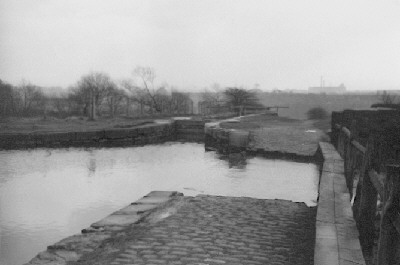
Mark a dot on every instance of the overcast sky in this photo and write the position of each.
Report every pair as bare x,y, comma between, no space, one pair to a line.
192,44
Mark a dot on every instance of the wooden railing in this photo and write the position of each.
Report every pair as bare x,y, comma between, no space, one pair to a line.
373,177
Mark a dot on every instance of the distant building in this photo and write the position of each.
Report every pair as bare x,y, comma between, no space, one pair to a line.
327,89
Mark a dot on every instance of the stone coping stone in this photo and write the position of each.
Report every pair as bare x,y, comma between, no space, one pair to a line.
152,200
233,120
332,156
334,167
211,125
325,146
158,193
337,238
132,213
136,209
181,118
69,249
80,241
161,121
326,251
329,152
117,220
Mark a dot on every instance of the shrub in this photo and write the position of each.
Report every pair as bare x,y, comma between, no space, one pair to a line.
317,113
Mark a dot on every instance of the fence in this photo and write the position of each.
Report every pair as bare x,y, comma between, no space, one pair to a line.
372,172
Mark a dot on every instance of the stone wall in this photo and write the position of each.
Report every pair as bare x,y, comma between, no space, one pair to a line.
234,141
185,130
225,141
372,172
189,130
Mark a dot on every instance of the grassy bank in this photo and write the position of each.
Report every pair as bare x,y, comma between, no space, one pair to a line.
273,133
70,124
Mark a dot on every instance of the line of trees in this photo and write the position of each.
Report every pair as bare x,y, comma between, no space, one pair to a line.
24,100
96,94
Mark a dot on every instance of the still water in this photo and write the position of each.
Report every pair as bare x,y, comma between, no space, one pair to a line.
49,194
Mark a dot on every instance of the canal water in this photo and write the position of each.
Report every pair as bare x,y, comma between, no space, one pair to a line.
49,194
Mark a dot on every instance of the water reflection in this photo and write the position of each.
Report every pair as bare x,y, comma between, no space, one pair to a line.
237,160
92,167
46,195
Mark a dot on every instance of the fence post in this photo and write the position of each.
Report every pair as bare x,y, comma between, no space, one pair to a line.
367,204
341,142
346,152
388,236
350,161
335,119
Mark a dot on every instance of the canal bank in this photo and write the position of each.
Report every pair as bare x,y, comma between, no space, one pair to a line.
266,136
52,194
168,228
158,131
128,236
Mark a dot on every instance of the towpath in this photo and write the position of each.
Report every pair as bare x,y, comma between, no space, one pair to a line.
216,230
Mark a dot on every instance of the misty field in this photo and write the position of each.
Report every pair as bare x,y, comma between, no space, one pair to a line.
299,104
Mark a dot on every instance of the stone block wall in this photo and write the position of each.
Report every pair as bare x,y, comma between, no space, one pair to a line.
225,141
183,130
216,139
189,130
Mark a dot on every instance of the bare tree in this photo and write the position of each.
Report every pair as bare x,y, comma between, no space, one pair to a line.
32,98
386,101
79,100
142,98
387,98
130,92
146,75
94,88
135,95
7,106
114,98
26,99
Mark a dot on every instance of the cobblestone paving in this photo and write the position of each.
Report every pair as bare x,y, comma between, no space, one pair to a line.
221,230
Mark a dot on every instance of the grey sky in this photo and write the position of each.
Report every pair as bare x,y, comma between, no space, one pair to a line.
192,44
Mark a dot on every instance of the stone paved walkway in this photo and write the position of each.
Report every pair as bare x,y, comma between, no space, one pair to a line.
218,230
